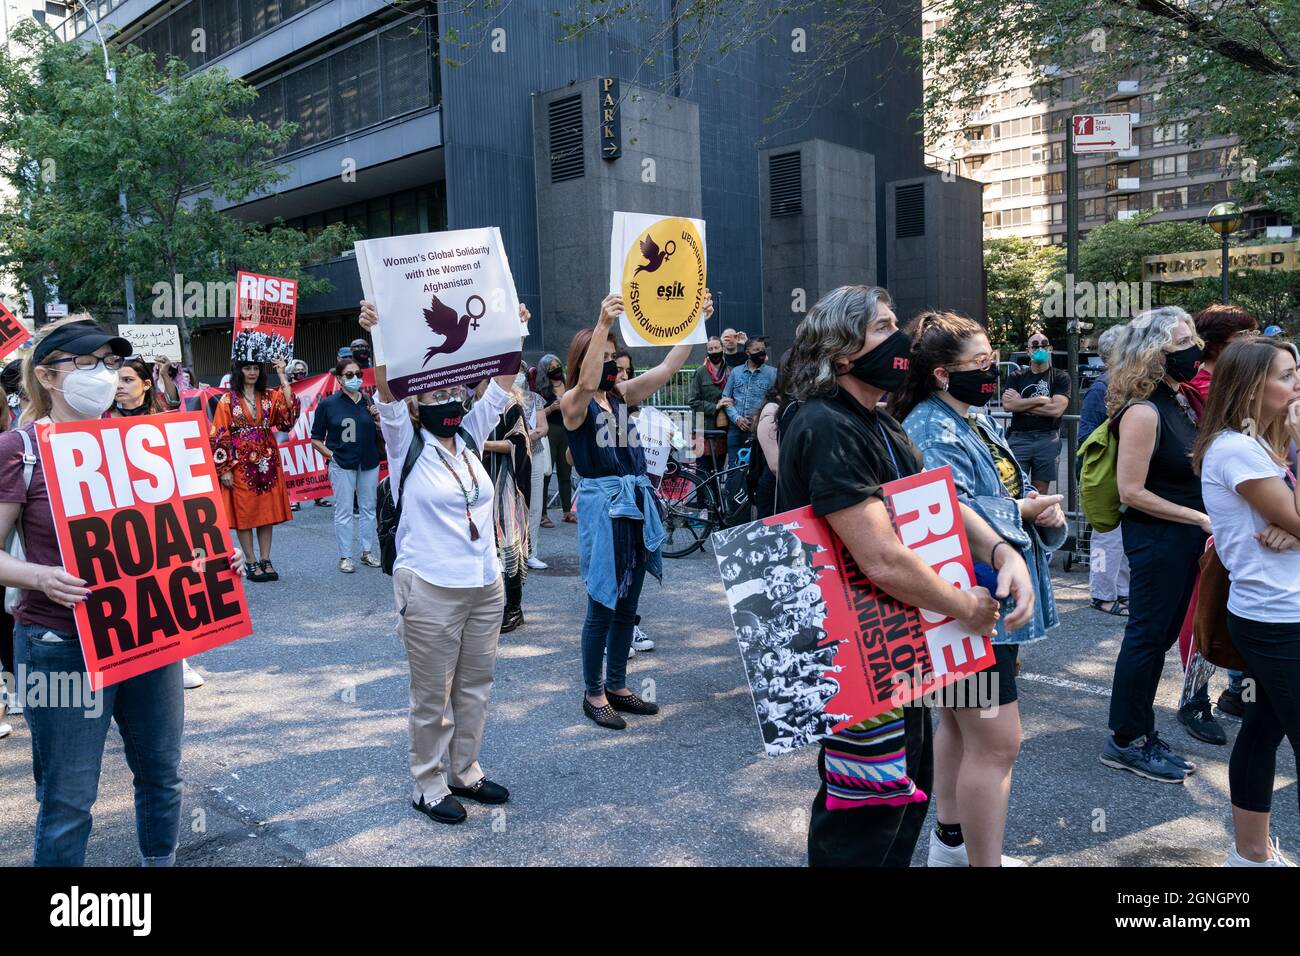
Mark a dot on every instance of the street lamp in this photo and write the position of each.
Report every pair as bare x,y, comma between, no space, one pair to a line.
121,191
1225,219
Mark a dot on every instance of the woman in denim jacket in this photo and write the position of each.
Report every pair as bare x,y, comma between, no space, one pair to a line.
953,375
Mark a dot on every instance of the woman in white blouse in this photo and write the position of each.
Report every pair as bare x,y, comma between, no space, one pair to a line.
447,582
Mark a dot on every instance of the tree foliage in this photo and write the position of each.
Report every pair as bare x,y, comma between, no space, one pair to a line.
1015,272
179,144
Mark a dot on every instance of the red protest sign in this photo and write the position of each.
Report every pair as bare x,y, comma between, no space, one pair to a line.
265,309
140,519
823,647
306,472
12,333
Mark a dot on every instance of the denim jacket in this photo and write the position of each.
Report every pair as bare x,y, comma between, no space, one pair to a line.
599,501
945,439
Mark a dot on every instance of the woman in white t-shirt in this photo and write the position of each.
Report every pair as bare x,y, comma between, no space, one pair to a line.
1252,413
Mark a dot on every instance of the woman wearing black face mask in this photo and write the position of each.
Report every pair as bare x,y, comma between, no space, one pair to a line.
953,374
620,529
550,385
446,581
707,403
1164,526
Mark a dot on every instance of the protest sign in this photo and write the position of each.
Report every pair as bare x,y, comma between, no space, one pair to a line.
823,647
306,472
448,312
265,309
140,519
657,263
150,341
12,332
655,431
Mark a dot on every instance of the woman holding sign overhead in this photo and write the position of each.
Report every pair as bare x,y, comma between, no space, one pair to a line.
248,459
446,579
620,529
71,375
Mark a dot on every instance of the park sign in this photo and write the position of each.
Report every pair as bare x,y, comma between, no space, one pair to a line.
1207,264
1102,132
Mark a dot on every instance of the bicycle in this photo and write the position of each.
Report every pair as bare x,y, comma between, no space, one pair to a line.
695,504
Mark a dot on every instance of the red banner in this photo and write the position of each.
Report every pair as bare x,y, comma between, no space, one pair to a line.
265,309
823,647
140,519
305,470
12,333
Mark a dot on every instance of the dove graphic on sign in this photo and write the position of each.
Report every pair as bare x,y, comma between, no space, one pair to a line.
654,258
454,328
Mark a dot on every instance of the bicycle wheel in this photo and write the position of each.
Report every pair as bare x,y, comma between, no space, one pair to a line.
687,510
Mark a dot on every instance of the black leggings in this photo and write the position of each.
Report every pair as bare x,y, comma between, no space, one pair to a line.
1272,653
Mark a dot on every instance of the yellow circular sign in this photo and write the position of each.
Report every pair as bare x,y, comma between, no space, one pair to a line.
663,281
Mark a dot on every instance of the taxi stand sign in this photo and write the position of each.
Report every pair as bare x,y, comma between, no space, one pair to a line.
1102,132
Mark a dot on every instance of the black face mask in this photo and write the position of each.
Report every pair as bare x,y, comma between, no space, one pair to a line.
715,358
555,374
974,387
885,367
758,358
442,421
1182,365
608,375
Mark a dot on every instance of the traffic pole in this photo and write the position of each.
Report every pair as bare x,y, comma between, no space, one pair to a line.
1071,321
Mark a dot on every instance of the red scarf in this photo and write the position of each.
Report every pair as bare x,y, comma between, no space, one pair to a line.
720,377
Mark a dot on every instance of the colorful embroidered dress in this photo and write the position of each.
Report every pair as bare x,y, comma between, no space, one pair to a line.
243,441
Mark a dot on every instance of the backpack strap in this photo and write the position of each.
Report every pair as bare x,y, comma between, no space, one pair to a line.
29,458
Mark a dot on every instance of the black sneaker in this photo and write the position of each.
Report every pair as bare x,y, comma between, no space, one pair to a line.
447,810
1200,723
485,791
1230,703
513,618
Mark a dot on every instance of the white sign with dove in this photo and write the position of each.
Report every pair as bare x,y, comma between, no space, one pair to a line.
448,312
150,341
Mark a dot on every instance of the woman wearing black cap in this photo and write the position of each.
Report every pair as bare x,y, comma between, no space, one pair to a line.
71,375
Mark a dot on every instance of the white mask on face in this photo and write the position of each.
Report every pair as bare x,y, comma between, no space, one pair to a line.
89,392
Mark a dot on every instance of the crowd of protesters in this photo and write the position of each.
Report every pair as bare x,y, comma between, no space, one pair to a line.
1204,413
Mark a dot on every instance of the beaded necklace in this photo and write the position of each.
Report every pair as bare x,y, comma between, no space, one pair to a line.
469,500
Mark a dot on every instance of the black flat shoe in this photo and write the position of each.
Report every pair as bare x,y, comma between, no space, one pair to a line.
513,618
485,791
268,572
253,571
603,716
447,810
631,704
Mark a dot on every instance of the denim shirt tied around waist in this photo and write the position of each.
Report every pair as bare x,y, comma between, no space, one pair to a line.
599,502
945,438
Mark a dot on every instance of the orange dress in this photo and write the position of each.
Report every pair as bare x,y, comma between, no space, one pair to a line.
243,442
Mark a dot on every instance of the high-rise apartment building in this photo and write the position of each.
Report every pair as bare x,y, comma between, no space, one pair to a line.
1014,144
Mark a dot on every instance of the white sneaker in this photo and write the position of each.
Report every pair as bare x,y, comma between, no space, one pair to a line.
537,564
941,854
13,706
346,565
1275,857
5,730
190,678
640,642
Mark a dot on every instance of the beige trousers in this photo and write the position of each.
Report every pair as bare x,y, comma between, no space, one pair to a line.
451,639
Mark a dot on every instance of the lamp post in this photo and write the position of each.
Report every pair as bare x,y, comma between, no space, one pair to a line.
1225,219
111,74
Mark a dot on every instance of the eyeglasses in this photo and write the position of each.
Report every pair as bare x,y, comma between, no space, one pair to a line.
443,395
88,362
981,362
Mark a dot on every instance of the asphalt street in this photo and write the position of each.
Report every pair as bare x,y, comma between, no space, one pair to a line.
296,749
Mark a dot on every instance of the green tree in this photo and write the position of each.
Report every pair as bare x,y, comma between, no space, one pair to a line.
1272,297
1114,252
1015,272
179,144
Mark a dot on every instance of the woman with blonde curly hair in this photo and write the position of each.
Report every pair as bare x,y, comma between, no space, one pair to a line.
1164,526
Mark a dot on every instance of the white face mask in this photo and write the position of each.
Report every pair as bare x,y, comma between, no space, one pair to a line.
89,392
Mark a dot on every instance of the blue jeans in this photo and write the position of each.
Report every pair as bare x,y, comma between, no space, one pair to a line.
69,727
608,634
345,481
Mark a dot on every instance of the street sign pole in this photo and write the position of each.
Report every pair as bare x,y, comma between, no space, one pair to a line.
1072,321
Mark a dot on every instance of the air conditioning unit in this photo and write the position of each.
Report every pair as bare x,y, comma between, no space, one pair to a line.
1130,153
1128,183
1126,214
1128,87
1279,232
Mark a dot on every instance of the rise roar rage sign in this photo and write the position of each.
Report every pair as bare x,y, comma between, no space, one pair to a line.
140,520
